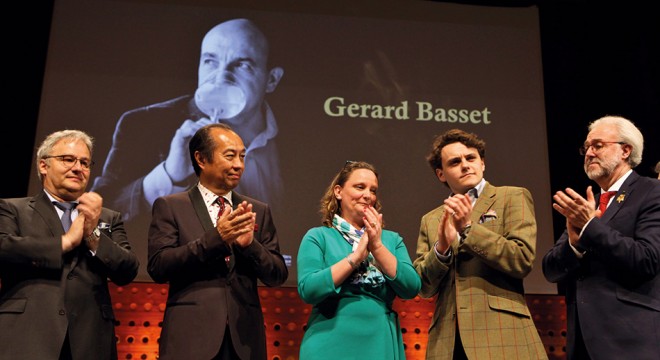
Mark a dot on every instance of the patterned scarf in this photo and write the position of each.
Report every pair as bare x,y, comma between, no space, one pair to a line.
367,273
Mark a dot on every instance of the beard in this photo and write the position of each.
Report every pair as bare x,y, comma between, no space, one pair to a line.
606,168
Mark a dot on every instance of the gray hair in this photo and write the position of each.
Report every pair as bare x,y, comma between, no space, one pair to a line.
46,146
629,134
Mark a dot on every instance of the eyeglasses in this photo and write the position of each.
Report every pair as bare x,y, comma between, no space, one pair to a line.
597,146
69,161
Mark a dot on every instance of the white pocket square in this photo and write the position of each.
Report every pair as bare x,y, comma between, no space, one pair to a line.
488,216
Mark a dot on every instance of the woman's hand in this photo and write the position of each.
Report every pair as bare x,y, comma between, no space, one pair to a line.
373,223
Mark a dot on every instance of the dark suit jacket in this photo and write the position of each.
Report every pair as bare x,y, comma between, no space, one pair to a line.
615,287
45,293
207,295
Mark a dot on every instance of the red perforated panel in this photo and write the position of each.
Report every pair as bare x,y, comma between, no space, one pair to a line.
139,310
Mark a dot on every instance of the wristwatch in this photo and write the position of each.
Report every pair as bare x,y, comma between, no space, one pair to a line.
464,233
94,236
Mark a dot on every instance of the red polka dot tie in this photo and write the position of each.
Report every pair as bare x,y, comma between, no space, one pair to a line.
221,203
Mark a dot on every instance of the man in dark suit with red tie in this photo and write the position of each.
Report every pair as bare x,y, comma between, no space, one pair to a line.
211,245
57,251
609,257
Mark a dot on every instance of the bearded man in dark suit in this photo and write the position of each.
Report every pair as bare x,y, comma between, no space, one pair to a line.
609,256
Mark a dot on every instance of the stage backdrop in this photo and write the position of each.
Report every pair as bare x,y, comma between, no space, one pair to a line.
362,80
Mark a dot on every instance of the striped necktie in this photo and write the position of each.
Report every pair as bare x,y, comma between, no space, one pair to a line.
473,194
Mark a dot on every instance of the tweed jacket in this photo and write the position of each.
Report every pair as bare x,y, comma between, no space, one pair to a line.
480,289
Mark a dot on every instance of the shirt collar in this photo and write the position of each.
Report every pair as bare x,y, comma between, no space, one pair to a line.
209,197
617,185
480,188
52,198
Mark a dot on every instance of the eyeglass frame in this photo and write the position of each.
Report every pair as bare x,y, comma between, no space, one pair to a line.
82,161
585,148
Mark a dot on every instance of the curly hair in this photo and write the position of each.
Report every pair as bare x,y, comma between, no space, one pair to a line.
470,140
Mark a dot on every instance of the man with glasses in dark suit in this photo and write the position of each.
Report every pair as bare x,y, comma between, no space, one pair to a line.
609,254
57,251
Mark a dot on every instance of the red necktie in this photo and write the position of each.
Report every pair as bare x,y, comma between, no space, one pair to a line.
604,200
221,202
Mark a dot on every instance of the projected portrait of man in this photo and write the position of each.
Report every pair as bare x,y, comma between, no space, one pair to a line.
149,154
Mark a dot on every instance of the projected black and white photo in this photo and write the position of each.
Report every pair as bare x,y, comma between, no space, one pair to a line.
233,81
307,87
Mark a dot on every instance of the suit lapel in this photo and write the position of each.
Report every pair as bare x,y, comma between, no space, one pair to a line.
235,199
42,206
203,214
45,208
620,197
200,208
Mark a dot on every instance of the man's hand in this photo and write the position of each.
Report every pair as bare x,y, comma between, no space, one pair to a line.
577,210
74,236
237,225
459,208
177,164
89,206
447,233
573,234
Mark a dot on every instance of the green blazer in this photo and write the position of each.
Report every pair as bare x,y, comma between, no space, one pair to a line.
481,284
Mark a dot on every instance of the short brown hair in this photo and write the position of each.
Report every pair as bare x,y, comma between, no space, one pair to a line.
470,140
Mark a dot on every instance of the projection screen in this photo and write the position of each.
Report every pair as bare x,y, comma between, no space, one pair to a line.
361,80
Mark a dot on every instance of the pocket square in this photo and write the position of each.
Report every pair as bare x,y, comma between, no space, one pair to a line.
104,226
488,216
